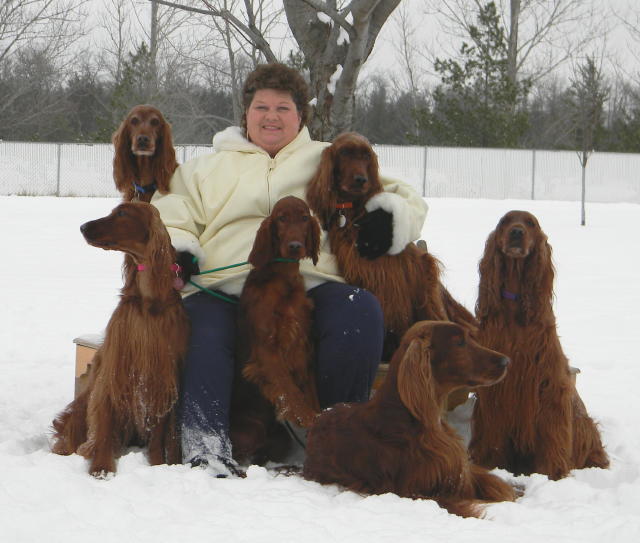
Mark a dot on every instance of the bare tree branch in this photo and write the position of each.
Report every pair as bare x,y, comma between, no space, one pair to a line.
542,35
251,34
50,22
339,18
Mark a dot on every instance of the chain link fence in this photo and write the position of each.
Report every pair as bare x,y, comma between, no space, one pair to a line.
76,169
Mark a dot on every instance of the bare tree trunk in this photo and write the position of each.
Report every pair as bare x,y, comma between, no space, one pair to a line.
153,47
335,50
233,74
512,46
585,157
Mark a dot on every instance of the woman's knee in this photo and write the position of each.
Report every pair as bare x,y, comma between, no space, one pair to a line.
347,309
348,334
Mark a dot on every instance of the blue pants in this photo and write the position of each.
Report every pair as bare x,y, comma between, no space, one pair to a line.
347,334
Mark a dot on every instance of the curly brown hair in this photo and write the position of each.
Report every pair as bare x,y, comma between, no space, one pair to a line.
279,77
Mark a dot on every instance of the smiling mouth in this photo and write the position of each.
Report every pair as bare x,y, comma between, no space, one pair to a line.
142,152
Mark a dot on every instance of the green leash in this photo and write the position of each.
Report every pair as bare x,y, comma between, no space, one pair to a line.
222,296
219,269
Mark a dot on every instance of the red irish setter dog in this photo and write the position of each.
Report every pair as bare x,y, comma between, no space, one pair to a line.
407,284
144,159
534,421
133,383
274,330
398,441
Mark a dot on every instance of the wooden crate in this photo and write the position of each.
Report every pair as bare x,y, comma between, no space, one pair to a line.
86,347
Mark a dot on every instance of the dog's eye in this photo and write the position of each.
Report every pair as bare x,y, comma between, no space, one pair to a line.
459,341
282,218
530,223
121,213
305,218
135,121
154,122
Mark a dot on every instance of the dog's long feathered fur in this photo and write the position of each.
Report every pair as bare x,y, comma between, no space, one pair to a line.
133,384
398,441
144,154
407,284
275,355
534,420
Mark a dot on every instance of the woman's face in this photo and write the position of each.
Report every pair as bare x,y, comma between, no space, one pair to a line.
273,120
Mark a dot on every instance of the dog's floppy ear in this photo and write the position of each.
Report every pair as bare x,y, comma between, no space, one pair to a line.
415,381
313,240
123,162
321,194
166,163
373,171
264,250
537,281
491,270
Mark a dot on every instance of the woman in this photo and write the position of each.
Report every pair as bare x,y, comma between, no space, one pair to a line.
213,212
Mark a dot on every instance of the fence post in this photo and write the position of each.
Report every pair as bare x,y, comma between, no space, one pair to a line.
58,170
184,154
424,172
533,175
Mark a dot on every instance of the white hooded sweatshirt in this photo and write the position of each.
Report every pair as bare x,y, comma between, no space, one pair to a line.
217,202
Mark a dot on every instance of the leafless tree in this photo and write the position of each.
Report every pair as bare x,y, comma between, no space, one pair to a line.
588,92
242,54
35,43
542,34
49,24
335,38
630,21
411,67
115,26
406,45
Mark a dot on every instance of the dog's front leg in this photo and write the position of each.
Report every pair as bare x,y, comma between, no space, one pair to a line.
554,435
490,445
103,441
161,437
277,386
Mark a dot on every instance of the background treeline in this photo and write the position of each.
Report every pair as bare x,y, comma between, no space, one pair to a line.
475,95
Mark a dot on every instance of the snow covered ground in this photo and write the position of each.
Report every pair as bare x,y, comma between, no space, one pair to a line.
56,287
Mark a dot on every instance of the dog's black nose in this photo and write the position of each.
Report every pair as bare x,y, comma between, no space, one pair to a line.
83,227
360,179
516,232
142,141
295,246
504,361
